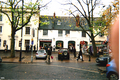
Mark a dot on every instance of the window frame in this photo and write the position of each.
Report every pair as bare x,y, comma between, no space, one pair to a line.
1,17
60,33
67,32
45,32
27,31
83,34
0,29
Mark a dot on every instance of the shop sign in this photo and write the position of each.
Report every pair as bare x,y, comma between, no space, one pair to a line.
45,39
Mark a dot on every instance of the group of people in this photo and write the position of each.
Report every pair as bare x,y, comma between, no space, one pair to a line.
30,47
73,50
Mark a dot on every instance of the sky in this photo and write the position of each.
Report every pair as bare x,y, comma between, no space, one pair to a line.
55,6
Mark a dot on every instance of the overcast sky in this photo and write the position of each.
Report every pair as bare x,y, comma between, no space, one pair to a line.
56,7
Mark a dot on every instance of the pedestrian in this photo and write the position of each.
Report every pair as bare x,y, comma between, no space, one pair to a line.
6,48
74,52
54,48
31,47
80,55
34,48
26,48
46,48
100,52
48,55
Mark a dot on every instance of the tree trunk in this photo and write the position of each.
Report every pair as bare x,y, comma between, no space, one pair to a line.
12,43
94,45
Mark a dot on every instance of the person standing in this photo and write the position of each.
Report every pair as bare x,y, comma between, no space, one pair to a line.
80,54
54,48
74,52
34,48
6,48
48,55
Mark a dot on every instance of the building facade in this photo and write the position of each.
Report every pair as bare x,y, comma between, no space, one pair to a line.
26,34
60,32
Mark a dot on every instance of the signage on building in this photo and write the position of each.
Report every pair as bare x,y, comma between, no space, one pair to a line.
45,39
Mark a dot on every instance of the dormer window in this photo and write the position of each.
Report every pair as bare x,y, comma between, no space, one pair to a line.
45,21
58,22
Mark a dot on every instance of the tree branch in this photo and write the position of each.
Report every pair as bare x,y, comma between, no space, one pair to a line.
27,21
94,5
6,15
4,3
100,32
17,4
82,7
45,5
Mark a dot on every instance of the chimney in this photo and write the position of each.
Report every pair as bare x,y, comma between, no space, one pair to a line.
77,20
54,15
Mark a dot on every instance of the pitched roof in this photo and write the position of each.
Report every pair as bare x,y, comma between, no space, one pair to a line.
59,23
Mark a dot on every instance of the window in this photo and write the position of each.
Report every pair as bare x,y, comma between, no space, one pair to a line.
58,22
33,32
0,17
4,43
0,29
27,30
60,32
83,34
27,42
59,44
67,32
45,32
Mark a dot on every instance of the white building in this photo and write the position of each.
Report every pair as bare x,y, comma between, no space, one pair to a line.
60,31
5,33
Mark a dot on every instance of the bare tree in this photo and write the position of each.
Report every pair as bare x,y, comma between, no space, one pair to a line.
13,9
85,8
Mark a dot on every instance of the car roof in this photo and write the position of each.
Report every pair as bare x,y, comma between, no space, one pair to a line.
41,49
64,48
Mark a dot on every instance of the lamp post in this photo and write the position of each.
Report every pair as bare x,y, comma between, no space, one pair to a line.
21,32
32,50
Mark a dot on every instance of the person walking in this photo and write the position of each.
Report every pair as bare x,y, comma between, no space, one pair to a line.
80,54
48,55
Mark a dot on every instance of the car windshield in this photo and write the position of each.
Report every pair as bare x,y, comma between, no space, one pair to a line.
63,50
41,51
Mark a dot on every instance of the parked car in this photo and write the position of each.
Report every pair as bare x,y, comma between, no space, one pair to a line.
41,54
103,59
111,71
63,54
0,59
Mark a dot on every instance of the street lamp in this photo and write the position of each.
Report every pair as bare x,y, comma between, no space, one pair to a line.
32,42
21,32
